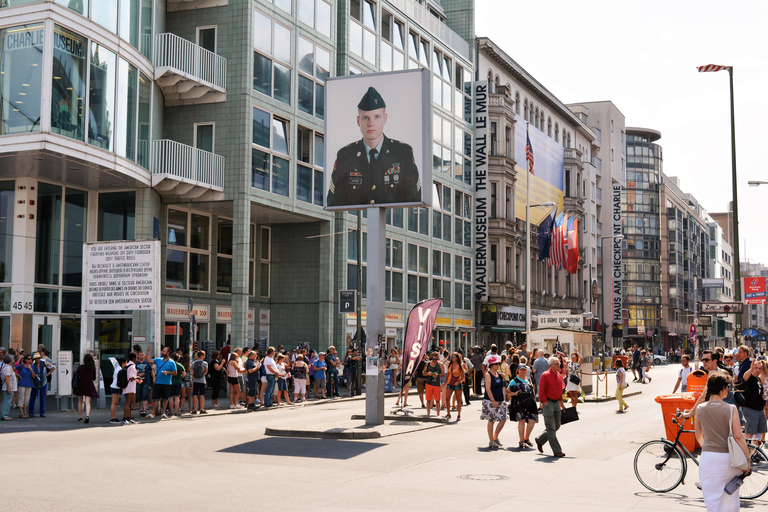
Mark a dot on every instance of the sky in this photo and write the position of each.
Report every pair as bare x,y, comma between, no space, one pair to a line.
642,56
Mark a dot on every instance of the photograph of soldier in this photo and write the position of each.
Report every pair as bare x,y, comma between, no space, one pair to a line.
376,169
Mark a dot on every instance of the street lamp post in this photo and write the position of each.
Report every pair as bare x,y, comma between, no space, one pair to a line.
528,207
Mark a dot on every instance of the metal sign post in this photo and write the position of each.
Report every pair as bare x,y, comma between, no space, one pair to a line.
64,377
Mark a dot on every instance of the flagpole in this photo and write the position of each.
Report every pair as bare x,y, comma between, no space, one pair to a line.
527,252
735,218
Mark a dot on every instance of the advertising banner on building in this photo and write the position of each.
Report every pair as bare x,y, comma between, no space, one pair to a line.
418,332
754,290
547,179
378,140
121,275
480,154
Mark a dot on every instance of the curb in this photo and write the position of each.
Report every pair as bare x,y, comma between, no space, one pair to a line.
316,434
420,419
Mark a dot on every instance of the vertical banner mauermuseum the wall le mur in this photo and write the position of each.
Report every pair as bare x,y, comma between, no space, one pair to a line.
480,120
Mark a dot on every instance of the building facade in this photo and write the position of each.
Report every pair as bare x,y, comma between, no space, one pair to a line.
518,104
201,124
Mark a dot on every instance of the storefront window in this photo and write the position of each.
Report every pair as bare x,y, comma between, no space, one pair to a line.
75,217
117,216
21,72
6,231
48,235
68,86
126,111
101,114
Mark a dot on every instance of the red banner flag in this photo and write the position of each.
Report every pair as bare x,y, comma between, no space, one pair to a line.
418,332
711,67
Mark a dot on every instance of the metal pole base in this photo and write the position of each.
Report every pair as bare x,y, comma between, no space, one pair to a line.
374,399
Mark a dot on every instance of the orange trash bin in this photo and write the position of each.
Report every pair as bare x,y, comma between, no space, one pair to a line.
669,406
696,382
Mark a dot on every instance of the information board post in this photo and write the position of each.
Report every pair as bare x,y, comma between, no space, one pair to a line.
120,276
64,377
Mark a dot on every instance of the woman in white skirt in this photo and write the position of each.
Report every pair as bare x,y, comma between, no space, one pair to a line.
713,423
574,374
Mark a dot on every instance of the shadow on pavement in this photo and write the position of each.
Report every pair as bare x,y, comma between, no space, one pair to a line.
298,447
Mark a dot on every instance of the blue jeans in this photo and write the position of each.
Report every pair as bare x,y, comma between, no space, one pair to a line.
333,384
6,412
38,393
270,390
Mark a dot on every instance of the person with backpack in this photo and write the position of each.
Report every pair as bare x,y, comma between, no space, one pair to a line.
199,371
116,389
130,374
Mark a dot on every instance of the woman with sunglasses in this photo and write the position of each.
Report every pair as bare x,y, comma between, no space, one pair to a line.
27,376
494,406
454,383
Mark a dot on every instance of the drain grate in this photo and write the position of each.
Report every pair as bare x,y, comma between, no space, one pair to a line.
483,477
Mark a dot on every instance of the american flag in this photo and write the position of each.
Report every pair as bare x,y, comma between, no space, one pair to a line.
529,152
711,67
557,250
558,347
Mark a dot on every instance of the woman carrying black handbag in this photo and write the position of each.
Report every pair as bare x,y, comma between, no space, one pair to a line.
573,383
522,407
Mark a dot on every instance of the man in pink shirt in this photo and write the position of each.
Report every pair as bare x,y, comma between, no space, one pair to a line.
551,397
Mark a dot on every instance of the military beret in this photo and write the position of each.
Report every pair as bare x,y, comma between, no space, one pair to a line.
372,100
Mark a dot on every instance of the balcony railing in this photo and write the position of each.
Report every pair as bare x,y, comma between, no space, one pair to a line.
171,159
188,71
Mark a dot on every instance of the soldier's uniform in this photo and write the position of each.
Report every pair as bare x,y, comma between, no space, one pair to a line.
391,176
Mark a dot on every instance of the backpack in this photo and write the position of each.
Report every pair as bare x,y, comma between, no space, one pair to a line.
198,372
122,378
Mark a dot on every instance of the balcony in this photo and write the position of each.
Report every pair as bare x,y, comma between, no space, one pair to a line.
183,172
187,73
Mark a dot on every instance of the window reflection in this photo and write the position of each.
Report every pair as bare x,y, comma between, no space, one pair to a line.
21,59
68,85
101,111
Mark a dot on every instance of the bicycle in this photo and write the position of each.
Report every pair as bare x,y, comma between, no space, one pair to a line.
661,466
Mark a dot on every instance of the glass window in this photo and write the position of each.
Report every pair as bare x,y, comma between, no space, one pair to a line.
117,212
175,269
101,113
129,21
80,6
145,90
68,85
261,127
206,38
106,14
75,223
272,40
6,231
323,18
21,60
126,111
48,235
204,138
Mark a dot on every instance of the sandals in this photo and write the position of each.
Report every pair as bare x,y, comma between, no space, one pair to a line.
528,442
522,445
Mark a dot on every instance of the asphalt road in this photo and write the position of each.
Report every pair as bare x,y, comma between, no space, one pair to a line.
225,462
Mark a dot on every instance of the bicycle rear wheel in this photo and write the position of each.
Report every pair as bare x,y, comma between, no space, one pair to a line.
756,483
659,466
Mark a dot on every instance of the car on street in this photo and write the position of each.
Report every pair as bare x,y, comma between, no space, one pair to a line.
659,359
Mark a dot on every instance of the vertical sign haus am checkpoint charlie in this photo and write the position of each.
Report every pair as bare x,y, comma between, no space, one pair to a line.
617,272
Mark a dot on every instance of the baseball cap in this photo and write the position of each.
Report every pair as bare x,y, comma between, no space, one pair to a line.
494,360
522,367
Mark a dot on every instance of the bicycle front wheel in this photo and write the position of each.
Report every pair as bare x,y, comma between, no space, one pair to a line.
756,483
659,466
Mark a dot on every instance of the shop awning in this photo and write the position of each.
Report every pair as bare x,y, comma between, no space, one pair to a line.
504,329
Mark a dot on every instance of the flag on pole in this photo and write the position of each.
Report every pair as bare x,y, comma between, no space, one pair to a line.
573,245
558,347
557,255
545,235
418,331
711,67
529,152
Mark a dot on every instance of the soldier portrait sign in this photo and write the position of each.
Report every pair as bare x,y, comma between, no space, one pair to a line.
377,133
